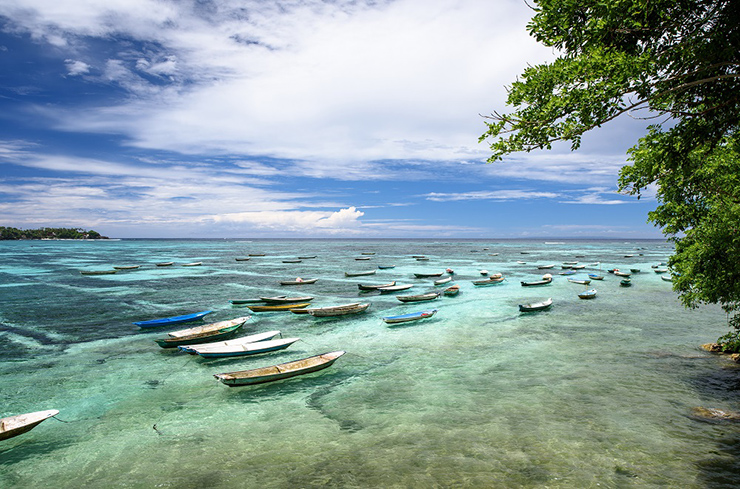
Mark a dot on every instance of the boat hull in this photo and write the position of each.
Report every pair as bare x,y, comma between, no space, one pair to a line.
269,346
279,372
17,425
405,318
185,318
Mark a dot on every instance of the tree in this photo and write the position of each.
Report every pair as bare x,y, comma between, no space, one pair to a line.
676,62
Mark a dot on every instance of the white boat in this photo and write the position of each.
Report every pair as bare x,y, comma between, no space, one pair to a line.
412,316
207,328
21,423
535,306
255,338
443,281
395,288
194,264
247,348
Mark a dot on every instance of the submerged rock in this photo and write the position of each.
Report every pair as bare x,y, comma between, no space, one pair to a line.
712,347
715,414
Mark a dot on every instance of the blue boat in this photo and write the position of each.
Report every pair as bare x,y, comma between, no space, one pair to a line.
185,318
412,316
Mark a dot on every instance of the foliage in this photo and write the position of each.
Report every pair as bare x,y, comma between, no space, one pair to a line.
678,61
7,233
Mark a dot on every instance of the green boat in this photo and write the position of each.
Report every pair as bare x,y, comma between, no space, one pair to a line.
206,337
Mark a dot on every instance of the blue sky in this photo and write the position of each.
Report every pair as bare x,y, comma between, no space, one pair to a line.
302,118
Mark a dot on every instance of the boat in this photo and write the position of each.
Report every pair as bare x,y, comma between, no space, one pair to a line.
243,258
98,272
535,306
427,275
567,272
452,290
299,281
483,272
581,282
126,267
386,267
367,253
418,298
193,349
489,281
245,301
309,257
165,264
185,318
256,254
546,279
588,294
621,274
635,270
247,348
578,267
343,310
375,287
418,256
443,281
279,372
667,278
570,263
278,307
202,337
282,299
450,271
545,267
412,316
207,328
299,311
422,259
625,282
194,264
595,276
21,423
660,270
363,258
292,261
359,274
395,288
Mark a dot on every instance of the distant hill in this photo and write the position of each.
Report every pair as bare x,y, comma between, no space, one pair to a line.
48,233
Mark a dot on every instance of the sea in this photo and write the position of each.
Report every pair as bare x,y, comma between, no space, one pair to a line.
589,393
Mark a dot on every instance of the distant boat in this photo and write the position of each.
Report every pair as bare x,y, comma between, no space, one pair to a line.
202,337
375,287
667,278
98,272
361,258
247,348
245,301
165,264
545,267
567,272
282,299
621,274
185,318
589,294
450,271
279,372
483,272
581,282
310,257
194,264
418,298
256,254
299,281
427,275
422,259
292,261
193,349
343,310
386,267
489,281
395,288
22,423
359,274
443,281
660,270
418,256
278,307
595,276
412,316
625,282
452,290
245,258
635,270
546,279
535,306
367,253
521,262
126,267
578,267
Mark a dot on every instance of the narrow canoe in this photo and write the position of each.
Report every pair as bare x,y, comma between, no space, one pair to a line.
98,272
362,258
247,348
395,288
443,281
126,267
386,267
452,290
279,372
310,257
359,274
194,264
206,328
255,338
278,307
581,282
256,254
428,275
343,310
367,253
299,282
589,294
21,423
282,299
375,287
536,306
245,301
489,281
244,258
412,316
166,264
418,298
185,318
292,261
199,337
546,279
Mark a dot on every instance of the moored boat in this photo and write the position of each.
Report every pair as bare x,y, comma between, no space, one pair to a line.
360,274
308,257
242,258
395,288
299,281
545,267
342,310
255,338
621,274
595,276
386,267
489,281
443,281
367,287
546,279
126,267
282,299
428,275
193,264
625,282
245,301
295,260
247,348
168,321
666,278
588,294
203,337
206,328
98,272
165,264
581,282
21,423
279,372
362,258
452,290
278,307
536,306
412,316
419,297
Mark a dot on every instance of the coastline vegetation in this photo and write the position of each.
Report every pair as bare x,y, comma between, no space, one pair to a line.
8,233
676,64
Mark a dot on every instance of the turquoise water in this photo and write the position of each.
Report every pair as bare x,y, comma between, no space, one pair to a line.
588,394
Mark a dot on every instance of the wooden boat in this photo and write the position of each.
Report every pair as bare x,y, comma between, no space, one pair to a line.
418,256
589,294
343,310
581,282
299,281
279,372
395,288
489,281
375,287
545,267
278,307
309,257
359,274
282,299
443,281
22,423
427,275
243,258
126,267
594,276
256,254
247,348
412,316
165,264
621,274
194,264
386,267
245,301
255,338
535,306
625,282
292,261
452,290
667,278
98,272
521,262
367,253
635,270
546,279
299,311
185,318
208,328
363,258
422,259
418,298
203,337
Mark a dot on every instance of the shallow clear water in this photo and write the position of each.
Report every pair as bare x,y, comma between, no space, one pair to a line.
588,394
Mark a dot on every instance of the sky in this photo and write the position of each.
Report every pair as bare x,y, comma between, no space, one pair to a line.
296,118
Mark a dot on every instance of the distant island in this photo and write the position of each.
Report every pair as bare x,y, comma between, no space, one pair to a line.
48,233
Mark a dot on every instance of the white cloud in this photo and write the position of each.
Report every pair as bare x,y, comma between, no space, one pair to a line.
76,68
499,195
